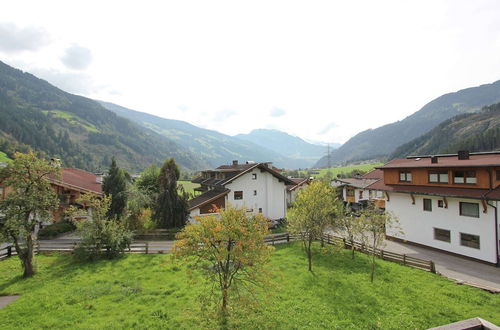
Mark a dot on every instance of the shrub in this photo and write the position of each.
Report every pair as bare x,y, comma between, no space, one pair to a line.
56,229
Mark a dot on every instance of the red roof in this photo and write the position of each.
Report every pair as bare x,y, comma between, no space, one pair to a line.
79,180
438,191
475,160
374,174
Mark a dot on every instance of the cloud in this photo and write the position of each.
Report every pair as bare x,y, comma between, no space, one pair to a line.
14,39
183,108
327,128
224,115
77,57
277,112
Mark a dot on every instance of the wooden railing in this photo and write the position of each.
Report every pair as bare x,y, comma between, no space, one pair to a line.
166,246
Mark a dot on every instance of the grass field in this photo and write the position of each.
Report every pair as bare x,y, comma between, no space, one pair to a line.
72,119
4,158
188,186
346,169
151,292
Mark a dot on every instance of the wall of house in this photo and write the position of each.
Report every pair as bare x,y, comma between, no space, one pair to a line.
418,225
420,176
271,194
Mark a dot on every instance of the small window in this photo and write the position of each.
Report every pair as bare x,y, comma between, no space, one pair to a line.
440,203
442,235
350,192
405,176
427,204
254,176
438,177
260,209
469,209
467,177
498,175
361,194
255,192
469,240
238,195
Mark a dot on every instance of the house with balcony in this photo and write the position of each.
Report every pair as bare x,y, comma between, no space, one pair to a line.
257,187
446,202
355,191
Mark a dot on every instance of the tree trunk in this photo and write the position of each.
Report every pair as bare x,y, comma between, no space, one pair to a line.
225,302
27,257
309,253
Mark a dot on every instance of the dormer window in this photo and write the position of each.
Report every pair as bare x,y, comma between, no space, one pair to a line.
464,177
404,176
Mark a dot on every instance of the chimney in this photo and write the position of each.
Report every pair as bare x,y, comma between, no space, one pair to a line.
99,177
463,154
235,162
434,159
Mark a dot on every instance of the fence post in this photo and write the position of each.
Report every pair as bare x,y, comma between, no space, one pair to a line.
433,267
147,247
382,254
287,237
404,259
345,244
272,239
37,247
328,238
9,251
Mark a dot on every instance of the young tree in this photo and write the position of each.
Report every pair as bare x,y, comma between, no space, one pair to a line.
374,222
100,235
351,226
115,185
30,203
314,209
233,246
171,208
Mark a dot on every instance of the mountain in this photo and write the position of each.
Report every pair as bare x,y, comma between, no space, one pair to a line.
382,141
472,131
214,147
82,133
286,144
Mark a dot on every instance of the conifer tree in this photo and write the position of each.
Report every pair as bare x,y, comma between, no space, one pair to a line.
115,185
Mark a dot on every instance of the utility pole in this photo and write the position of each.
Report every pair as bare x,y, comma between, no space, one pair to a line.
328,156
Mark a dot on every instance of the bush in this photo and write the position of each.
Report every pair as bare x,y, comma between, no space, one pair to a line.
56,229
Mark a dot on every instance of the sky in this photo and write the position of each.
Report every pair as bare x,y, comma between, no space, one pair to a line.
320,70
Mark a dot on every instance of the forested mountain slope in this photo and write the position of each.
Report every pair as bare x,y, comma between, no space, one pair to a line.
384,140
216,148
35,114
473,132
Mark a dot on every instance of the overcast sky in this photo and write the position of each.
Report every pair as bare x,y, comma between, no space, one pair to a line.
321,70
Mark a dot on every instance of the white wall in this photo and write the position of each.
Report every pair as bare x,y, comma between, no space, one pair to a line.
418,225
271,194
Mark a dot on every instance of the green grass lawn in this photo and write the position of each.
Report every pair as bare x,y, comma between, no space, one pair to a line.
149,291
346,169
4,158
188,186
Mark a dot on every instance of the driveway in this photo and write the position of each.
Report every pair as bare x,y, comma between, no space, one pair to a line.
460,269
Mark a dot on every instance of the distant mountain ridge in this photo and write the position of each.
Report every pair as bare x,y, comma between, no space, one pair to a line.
34,114
286,144
382,141
471,131
213,147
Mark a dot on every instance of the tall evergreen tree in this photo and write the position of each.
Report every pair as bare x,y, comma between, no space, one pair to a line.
171,208
115,185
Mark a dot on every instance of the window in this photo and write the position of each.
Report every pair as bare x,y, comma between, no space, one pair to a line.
498,175
238,195
349,191
254,176
361,194
438,177
440,203
470,240
467,177
469,209
442,235
427,204
255,192
405,176
260,209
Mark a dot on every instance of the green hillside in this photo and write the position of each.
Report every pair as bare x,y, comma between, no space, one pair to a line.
214,147
78,130
474,132
382,141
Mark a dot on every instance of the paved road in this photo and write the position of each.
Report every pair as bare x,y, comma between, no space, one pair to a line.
5,300
452,267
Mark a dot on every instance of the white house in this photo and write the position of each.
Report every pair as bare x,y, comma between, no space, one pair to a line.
257,187
446,202
293,189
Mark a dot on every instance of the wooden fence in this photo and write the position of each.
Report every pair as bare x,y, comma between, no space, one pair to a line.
166,246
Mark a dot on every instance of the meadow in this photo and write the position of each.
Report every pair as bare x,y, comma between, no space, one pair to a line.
4,158
188,186
153,292
346,169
